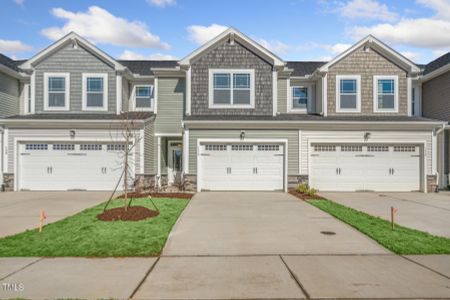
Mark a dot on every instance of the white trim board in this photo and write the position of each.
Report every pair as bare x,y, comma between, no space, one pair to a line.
231,72
84,78
358,93
66,106
376,109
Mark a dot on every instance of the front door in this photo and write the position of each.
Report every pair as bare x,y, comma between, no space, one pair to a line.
175,163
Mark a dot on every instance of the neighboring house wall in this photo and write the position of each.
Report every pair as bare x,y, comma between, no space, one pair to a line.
436,97
9,95
227,56
74,61
290,135
170,101
367,64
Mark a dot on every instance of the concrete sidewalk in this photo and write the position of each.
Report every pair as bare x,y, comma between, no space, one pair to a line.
426,212
227,277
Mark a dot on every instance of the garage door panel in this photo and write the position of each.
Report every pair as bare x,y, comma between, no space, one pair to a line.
59,169
373,167
241,167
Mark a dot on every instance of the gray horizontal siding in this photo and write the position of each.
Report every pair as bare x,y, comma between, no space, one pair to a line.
171,95
282,95
290,135
9,95
149,149
74,61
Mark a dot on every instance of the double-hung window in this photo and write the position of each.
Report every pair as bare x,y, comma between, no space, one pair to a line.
231,88
143,97
95,91
56,91
300,96
385,91
348,93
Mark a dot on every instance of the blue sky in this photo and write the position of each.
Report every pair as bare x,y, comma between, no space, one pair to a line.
165,29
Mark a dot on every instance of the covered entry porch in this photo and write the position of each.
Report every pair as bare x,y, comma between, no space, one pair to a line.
169,158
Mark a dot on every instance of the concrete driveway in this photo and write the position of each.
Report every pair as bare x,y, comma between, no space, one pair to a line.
19,211
426,212
244,223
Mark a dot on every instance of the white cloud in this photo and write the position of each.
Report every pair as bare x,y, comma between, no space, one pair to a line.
162,3
427,33
366,9
131,55
100,26
439,52
202,34
441,7
19,2
337,48
274,46
411,55
432,32
13,46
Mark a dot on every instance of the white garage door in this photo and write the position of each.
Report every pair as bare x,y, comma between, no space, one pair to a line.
365,167
244,167
70,166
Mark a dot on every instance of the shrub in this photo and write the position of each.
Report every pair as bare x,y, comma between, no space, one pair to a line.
305,189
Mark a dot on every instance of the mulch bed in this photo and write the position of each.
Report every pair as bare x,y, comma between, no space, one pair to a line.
133,213
159,195
305,196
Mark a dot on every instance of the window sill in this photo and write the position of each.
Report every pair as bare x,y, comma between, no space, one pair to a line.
231,107
56,108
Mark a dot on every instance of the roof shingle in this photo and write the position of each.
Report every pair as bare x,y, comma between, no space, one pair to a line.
143,67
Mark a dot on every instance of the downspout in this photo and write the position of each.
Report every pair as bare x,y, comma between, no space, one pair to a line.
436,133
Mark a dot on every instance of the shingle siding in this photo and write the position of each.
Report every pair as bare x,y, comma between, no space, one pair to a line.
366,64
227,56
74,61
9,95
436,97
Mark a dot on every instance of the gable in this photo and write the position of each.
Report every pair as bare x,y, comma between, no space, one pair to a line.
371,43
75,41
69,58
232,36
359,60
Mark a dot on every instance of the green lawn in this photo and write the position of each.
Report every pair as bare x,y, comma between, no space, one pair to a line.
84,235
401,241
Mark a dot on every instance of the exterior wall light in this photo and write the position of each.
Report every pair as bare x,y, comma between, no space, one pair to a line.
72,133
242,135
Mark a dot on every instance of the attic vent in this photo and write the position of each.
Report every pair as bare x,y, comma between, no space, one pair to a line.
74,44
232,38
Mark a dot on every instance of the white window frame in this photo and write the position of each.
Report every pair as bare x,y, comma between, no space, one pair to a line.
231,72
66,91
291,107
152,97
358,94
375,94
85,76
